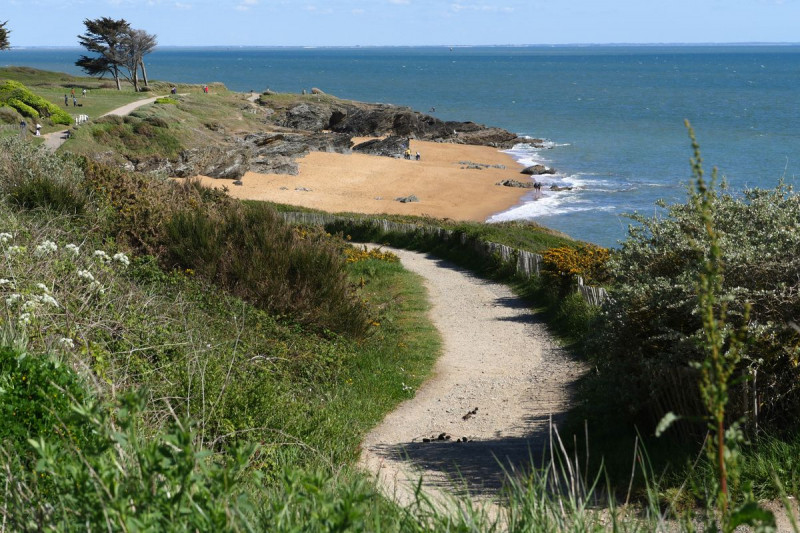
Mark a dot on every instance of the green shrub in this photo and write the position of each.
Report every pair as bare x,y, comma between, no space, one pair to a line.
36,393
250,251
128,481
167,101
23,108
9,115
652,331
21,98
157,122
245,249
34,177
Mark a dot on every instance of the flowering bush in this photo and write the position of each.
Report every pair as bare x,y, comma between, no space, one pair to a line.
355,254
564,263
49,294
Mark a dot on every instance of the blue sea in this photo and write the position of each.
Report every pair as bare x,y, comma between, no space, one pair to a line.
613,116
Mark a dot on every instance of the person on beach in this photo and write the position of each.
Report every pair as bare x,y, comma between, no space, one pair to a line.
417,156
407,153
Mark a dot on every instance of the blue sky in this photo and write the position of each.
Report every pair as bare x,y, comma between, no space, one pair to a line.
412,22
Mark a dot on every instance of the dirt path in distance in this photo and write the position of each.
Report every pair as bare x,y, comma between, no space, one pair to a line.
497,358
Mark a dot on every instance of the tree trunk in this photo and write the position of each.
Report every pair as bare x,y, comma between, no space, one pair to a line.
136,79
144,73
116,78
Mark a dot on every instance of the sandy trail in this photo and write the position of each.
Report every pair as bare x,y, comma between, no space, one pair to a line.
498,357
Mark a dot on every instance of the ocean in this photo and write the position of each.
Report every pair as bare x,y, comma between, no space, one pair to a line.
613,116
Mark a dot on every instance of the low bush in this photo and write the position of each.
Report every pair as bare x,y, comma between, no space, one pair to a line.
33,177
23,108
647,352
250,251
246,249
30,104
9,115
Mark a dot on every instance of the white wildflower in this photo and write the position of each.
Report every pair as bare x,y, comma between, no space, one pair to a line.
13,298
74,249
30,305
4,282
5,237
42,287
96,286
102,256
66,342
49,300
85,274
15,250
24,318
122,258
45,248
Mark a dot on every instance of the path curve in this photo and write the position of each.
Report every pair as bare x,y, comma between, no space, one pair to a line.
54,140
497,356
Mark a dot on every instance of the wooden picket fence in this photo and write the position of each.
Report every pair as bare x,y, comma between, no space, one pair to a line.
526,263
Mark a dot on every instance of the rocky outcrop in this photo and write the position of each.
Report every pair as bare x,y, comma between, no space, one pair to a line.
376,120
277,153
516,183
537,170
390,146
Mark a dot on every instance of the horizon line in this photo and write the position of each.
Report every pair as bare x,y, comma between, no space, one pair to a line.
508,45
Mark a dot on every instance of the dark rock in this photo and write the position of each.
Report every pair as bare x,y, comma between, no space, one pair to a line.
557,188
407,199
516,183
426,439
390,146
276,153
314,90
302,189
538,170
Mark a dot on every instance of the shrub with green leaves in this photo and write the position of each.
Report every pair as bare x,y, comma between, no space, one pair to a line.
649,344
32,105
127,480
33,177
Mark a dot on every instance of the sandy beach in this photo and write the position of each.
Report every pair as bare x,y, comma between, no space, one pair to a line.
369,184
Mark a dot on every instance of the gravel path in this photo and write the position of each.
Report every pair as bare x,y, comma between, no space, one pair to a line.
497,357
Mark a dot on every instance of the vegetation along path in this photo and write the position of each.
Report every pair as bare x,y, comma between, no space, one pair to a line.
498,381
53,141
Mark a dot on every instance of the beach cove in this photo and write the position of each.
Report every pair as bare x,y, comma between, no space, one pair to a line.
370,184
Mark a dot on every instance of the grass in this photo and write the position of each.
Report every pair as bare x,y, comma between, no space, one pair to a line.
523,235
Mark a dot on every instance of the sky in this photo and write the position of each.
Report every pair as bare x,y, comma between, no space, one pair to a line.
411,22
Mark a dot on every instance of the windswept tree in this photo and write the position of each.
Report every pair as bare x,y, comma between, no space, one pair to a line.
104,37
135,45
4,44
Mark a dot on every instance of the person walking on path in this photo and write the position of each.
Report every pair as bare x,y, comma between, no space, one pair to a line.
38,130
84,93
74,102
23,128
72,92
66,102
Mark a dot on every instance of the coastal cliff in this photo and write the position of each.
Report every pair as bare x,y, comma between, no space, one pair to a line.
275,130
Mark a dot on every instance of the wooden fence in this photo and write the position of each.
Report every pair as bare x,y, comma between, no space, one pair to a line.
526,263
